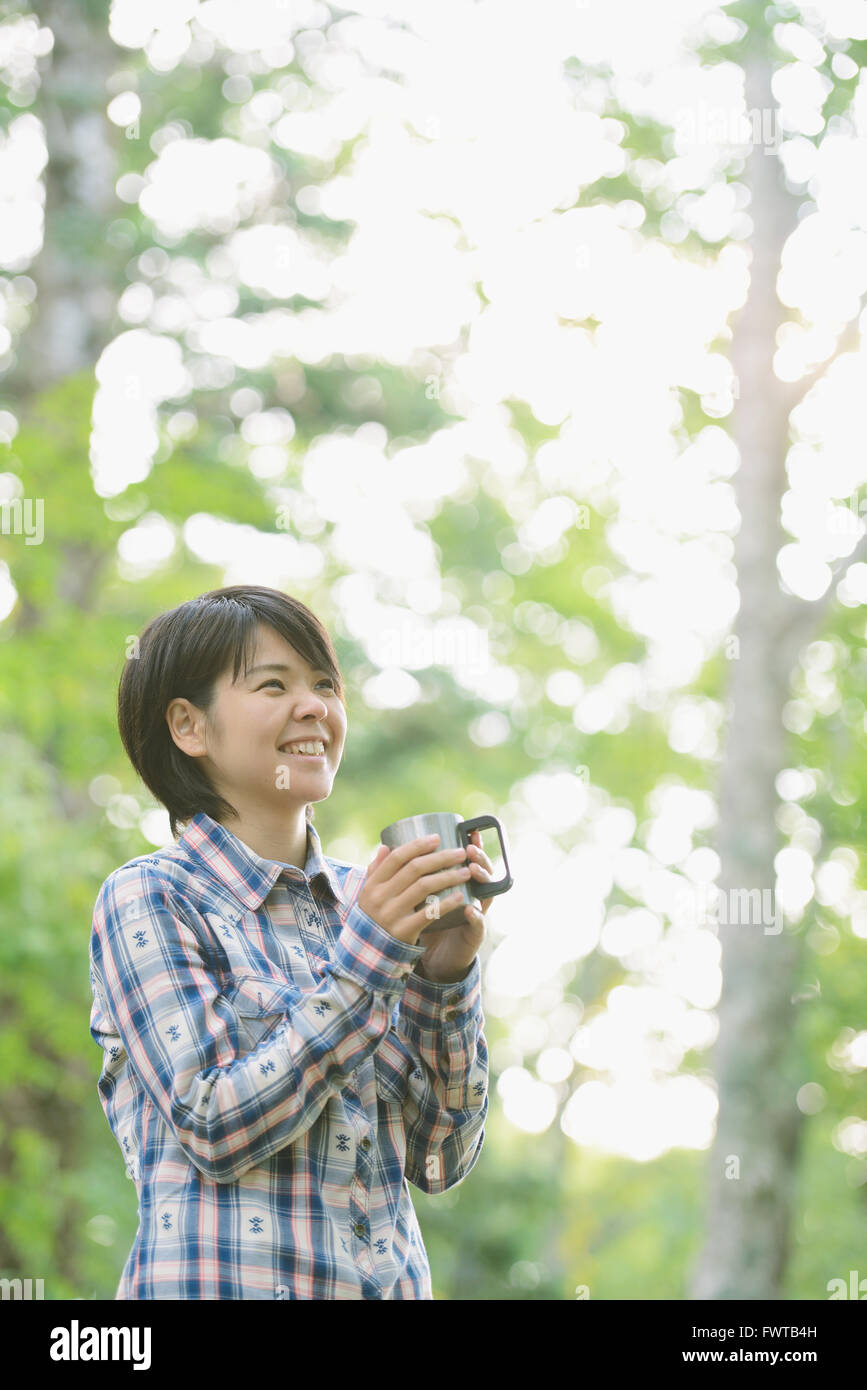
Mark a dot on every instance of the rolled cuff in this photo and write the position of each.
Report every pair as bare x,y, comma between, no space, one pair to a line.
366,953
428,1004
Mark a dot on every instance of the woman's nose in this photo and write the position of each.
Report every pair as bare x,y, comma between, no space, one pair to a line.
313,704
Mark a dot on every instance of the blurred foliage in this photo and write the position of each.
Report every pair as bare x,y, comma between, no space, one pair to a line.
539,1215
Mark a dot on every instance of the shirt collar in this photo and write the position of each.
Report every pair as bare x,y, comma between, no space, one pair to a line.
247,874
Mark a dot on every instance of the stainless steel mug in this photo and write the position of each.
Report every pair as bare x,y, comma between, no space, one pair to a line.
454,833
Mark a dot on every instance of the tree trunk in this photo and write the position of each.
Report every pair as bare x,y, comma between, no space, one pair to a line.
76,273
753,1157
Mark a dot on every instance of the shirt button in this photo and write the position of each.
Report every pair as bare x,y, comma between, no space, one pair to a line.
358,1228
365,1143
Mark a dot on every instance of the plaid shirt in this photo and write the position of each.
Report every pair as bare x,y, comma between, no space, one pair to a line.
276,1074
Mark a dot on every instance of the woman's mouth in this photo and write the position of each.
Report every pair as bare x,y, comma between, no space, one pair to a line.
312,751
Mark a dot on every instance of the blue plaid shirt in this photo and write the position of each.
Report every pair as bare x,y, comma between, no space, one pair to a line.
276,1073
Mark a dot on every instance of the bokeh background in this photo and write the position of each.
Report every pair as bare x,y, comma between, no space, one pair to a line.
522,342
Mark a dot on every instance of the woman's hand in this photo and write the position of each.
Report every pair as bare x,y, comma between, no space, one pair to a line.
452,951
399,878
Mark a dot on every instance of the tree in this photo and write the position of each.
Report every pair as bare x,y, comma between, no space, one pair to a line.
758,1060
70,811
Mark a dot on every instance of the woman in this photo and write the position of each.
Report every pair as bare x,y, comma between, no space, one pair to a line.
282,1056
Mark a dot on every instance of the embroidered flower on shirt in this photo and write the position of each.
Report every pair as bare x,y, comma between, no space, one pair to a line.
140,939
256,1227
167,1221
343,1142
265,1067
380,1246
174,1032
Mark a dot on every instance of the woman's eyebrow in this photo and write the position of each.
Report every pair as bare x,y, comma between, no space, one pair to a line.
276,666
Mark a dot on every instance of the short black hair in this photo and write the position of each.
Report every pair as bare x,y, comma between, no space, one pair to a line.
180,655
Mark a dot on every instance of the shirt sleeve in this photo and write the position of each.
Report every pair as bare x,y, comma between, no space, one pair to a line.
228,1111
436,1060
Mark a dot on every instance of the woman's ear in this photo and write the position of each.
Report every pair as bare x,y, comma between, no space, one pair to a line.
184,723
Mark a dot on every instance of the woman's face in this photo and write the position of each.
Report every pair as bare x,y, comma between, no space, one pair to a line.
280,700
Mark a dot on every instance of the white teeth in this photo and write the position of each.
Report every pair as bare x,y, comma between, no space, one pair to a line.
316,746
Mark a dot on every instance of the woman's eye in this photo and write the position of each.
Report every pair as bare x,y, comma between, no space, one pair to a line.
274,681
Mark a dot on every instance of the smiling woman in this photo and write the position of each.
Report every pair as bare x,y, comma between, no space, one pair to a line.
275,1071
180,698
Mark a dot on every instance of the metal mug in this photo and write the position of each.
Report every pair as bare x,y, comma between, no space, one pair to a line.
454,833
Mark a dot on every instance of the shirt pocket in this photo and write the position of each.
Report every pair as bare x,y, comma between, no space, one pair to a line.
260,1003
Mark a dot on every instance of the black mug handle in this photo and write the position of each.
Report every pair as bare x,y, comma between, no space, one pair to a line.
500,885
